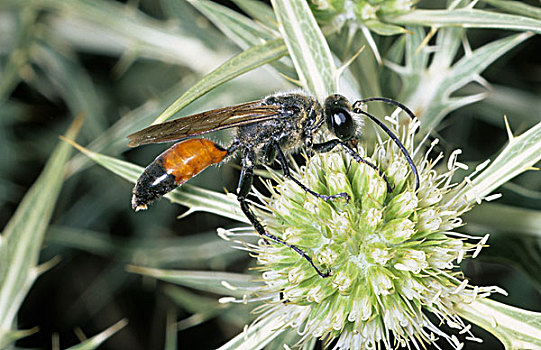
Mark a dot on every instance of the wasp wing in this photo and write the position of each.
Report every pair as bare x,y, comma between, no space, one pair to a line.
202,123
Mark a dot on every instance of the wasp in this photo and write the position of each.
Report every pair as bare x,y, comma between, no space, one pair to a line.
266,130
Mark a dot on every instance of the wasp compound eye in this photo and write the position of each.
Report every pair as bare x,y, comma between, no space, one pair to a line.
339,120
342,124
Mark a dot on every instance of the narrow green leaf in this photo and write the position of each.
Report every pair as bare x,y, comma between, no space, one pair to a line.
124,27
259,11
385,29
23,235
244,31
466,18
516,7
96,243
171,330
481,58
519,155
198,318
98,339
11,336
515,328
192,302
290,337
503,218
256,336
24,35
195,198
448,43
307,47
113,140
185,251
221,283
416,58
430,97
522,105
237,27
428,90
245,61
75,85
203,308
185,16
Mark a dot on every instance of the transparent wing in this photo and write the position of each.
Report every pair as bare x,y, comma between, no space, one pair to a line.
202,123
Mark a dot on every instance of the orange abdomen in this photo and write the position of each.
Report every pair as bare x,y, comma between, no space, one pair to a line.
174,167
188,158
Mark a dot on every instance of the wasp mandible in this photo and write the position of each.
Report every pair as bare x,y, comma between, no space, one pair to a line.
267,130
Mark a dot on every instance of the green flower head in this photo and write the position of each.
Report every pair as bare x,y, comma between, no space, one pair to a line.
326,11
392,256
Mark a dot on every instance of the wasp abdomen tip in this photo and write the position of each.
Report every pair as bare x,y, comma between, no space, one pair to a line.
137,205
153,183
140,207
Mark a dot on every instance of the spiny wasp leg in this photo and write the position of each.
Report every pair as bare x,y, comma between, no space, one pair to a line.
329,145
285,169
245,183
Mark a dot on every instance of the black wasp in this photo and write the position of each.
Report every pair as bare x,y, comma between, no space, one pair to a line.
267,129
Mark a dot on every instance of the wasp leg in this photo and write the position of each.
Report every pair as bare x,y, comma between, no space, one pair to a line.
285,169
245,183
329,145
357,109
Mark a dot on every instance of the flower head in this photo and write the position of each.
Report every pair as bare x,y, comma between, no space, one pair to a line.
392,256
363,11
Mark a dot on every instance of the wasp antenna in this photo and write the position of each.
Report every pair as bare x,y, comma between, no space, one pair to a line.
393,136
357,105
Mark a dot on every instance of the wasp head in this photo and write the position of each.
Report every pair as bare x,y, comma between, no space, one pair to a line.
337,113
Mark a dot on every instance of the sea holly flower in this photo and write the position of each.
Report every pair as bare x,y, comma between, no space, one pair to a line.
369,13
392,256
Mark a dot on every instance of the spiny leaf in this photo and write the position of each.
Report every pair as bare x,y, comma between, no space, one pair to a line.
208,281
203,248
131,29
515,328
195,198
429,90
502,218
74,84
98,339
467,18
23,235
259,11
245,61
385,29
516,7
307,47
257,335
243,30
519,155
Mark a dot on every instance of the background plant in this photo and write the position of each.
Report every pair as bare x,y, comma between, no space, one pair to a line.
123,67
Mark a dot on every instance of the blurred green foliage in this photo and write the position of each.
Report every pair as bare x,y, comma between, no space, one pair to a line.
120,65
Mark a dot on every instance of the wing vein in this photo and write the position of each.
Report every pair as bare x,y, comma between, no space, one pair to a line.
205,122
